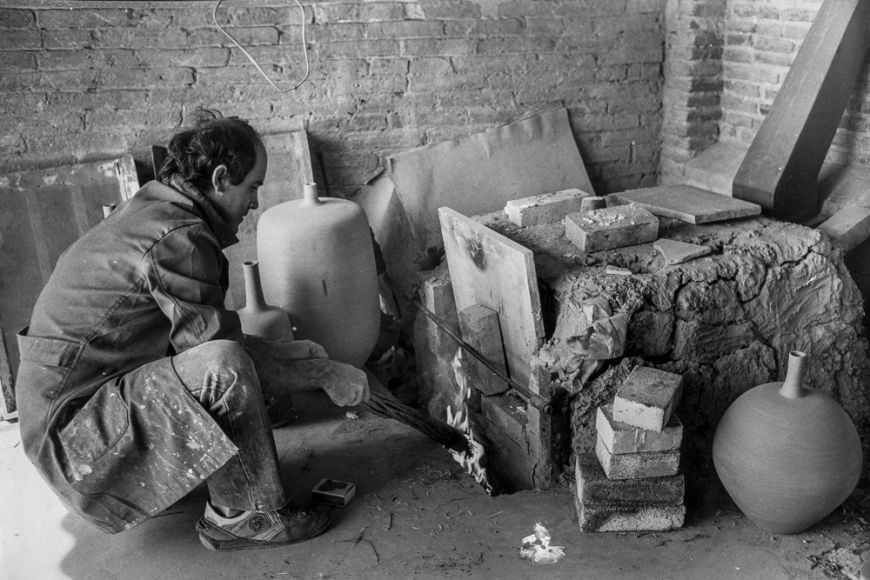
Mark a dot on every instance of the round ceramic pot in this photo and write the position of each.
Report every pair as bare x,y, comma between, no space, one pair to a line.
787,454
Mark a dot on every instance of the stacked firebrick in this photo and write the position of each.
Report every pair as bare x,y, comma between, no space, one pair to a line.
632,481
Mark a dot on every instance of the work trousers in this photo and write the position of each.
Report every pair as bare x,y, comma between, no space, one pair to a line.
221,377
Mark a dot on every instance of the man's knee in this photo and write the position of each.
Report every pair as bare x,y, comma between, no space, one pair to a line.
218,357
221,376
227,353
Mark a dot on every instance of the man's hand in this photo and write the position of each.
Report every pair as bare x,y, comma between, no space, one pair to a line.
286,366
345,384
285,349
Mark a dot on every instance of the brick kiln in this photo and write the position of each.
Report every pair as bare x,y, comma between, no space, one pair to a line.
718,303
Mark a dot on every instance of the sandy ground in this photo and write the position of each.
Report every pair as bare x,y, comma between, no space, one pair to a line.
415,515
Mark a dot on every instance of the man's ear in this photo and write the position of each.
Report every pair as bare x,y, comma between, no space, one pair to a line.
219,177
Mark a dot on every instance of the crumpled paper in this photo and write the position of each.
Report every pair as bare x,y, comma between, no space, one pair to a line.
536,547
598,334
582,341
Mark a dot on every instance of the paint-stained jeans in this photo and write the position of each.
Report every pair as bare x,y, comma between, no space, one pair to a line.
221,376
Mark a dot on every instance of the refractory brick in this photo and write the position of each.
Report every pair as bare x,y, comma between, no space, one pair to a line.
594,487
480,328
637,465
647,398
622,518
593,202
546,208
611,227
622,438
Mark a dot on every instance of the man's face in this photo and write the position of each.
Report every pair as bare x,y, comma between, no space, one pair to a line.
236,200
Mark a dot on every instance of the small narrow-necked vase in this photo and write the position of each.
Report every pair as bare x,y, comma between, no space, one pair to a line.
787,454
257,317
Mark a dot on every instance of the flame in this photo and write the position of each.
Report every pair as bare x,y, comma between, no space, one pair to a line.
461,420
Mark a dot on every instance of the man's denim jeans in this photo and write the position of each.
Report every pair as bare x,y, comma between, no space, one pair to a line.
221,376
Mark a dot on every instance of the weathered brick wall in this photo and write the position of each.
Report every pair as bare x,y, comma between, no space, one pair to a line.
725,62
693,79
761,44
88,80
761,41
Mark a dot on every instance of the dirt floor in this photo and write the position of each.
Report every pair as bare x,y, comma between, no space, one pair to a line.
415,515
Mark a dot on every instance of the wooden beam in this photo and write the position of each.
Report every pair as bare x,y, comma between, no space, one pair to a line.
781,168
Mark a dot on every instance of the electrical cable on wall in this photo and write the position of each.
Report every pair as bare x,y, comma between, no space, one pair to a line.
253,61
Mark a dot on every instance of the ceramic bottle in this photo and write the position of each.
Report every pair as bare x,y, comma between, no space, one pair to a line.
787,454
257,317
317,262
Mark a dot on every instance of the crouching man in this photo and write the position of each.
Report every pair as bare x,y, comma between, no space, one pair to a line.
136,384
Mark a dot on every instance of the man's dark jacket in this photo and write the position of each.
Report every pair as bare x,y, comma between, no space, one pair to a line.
119,441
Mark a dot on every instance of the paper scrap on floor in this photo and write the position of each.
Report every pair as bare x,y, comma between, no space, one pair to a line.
536,547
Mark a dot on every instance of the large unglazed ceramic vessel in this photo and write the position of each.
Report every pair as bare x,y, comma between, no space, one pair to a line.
787,454
317,262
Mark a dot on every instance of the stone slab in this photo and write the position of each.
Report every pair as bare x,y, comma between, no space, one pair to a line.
545,208
621,518
622,438
843,186
647,398
676,252
611,227
595,488
490,269
687,203
849,227
637,465
714,168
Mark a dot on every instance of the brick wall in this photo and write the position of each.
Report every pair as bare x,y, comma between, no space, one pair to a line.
83,80
725,62
761,44
693,79
761,41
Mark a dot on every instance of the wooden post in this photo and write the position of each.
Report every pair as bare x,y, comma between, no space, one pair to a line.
781,168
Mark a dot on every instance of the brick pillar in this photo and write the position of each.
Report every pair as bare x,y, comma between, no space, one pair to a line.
693,81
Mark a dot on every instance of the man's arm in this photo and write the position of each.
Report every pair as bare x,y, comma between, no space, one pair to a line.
184,275
288,366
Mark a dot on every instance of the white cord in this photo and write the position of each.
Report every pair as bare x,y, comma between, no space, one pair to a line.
254,62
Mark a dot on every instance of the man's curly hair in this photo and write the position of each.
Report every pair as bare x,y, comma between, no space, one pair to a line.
194,153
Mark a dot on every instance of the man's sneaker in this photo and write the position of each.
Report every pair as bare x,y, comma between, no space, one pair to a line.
259,529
